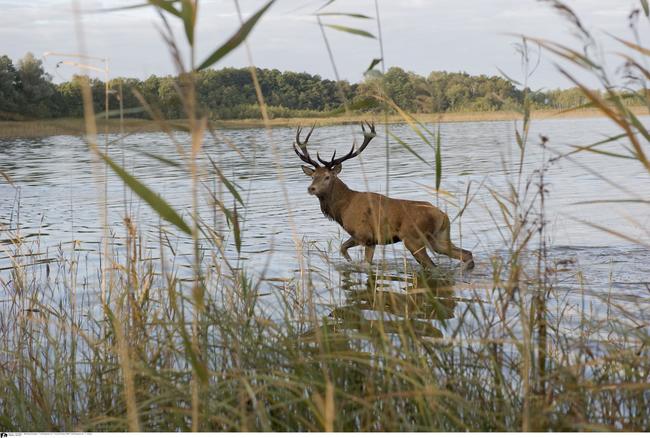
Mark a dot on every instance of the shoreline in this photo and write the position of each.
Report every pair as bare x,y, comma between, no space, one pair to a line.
75,127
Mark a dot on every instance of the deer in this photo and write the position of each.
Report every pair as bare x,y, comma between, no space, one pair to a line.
373,219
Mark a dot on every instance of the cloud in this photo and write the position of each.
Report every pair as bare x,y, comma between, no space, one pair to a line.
419,35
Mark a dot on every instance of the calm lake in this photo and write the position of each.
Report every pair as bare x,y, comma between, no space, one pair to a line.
57,199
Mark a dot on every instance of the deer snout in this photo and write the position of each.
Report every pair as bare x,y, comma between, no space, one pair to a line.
311,190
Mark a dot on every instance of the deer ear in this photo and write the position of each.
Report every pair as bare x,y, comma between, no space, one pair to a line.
337,169
308,170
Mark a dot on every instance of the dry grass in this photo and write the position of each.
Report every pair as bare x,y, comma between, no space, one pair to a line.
206,346
47,128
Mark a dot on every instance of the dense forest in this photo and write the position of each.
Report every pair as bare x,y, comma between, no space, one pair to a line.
27,92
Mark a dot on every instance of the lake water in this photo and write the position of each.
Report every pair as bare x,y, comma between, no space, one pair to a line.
57,200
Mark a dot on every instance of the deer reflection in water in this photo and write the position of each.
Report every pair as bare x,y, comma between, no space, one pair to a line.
377,304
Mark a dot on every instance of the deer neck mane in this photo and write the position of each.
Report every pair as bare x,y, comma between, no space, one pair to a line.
333,203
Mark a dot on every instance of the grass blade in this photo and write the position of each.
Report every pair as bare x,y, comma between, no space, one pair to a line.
614,201
438,161
407,147
344,14
188,14
155,201
229,185
351,30
236,39
327,3
235,228
162,159
372,65
164,4
7,178
167,5
631,45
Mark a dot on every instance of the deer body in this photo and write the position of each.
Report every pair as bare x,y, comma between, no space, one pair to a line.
373,219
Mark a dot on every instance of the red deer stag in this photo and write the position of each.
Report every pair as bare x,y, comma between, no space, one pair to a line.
373,219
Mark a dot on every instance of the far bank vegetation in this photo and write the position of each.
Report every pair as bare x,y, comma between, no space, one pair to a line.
28,93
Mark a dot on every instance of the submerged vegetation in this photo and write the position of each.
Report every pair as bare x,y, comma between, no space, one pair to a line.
157,341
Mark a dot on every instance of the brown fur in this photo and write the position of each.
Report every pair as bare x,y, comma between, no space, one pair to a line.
373,219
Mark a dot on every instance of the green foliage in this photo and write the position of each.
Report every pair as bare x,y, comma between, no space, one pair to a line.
234,40
26,92
161,207
9,89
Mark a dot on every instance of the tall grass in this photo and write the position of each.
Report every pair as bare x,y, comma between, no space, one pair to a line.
210,346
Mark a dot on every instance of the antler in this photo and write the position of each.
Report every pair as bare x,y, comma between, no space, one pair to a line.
303,147
367,137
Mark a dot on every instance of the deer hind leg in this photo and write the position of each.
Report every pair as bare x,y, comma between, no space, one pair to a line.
441,243
419,250
350,243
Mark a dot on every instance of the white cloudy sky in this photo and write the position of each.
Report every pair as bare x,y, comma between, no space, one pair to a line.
419,35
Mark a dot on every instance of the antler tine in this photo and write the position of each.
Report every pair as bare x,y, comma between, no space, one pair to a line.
303,147
309,133
326,163
367,138
299,131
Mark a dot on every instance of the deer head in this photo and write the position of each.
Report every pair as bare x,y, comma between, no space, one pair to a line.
324,174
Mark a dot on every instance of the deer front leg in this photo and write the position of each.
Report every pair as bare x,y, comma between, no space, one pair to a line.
350,243
370,252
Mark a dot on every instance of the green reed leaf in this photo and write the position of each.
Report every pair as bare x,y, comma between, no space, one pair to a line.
344,14
407,147
162,159
229,185
637,123
167,5
599,151
590,147
155,201
236,39
197,365
646,9
188,14
235,228
520,140
372,65
351,30
123,8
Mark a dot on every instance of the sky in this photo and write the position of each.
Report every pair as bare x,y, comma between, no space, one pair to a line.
474,36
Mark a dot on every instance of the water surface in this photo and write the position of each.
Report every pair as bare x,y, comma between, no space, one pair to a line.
57,202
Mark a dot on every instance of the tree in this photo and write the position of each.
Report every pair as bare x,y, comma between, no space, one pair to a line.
35,86
10,105
398,86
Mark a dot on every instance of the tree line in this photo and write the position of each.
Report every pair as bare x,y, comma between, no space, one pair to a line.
27,92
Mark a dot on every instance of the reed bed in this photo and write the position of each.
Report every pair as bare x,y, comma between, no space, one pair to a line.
47,128
168,341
